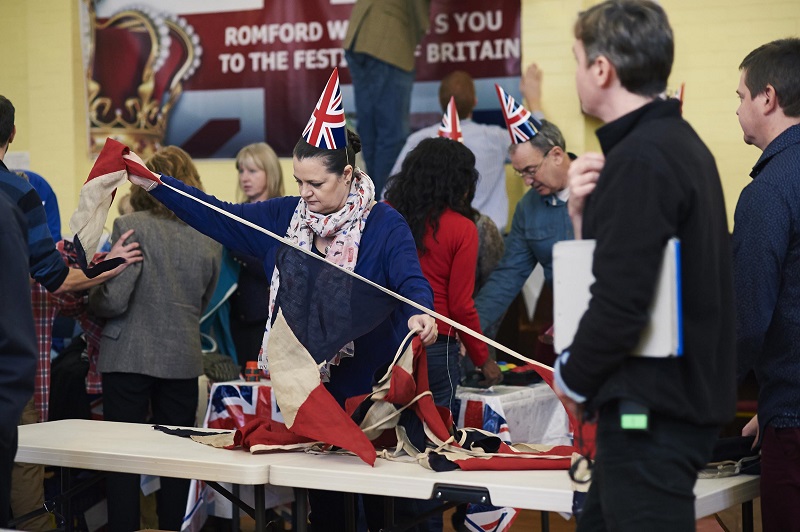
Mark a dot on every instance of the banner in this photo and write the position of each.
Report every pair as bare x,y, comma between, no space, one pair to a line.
213,76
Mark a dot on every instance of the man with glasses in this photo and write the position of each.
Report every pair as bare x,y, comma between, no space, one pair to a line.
540,220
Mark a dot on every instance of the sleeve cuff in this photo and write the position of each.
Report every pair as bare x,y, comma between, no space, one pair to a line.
575,396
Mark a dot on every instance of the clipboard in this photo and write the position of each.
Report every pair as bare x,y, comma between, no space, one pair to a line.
572,278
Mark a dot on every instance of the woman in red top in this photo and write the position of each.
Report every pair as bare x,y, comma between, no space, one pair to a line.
433,192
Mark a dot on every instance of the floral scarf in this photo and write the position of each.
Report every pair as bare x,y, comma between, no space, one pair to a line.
345,227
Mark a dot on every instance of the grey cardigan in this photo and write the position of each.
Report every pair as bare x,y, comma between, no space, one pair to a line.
153,307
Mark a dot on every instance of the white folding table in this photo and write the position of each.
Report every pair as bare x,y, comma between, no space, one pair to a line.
134,448
547,491
138,448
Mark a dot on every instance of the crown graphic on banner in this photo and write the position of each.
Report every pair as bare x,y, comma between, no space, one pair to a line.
326,127
451,126
521,124
138,60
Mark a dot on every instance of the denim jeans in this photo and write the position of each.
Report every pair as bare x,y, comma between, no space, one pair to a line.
444,372
383,102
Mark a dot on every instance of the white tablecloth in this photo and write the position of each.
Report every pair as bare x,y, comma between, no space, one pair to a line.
533,414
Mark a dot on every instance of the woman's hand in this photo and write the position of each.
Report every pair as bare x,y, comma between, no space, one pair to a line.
139,174
425,326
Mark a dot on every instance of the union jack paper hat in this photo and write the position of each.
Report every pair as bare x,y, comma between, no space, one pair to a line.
326,127
521,124
451,125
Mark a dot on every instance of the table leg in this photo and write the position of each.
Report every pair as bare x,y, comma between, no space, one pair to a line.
545,521
349,512
261,525
66,507
235,510
747,516
388,512
300,510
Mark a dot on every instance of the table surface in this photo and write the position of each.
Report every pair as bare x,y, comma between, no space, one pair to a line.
532,490
138,448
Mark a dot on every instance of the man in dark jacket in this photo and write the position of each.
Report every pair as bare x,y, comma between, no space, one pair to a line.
655,180
17,344
766,262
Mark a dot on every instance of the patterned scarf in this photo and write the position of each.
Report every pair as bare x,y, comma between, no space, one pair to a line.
345,227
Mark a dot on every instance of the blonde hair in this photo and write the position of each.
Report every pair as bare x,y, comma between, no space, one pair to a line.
264,158
171,161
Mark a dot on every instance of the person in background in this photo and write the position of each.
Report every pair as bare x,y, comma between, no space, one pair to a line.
540,220
657,418
260,178
17,341
433,191
49,202
766,250
379,46
150,354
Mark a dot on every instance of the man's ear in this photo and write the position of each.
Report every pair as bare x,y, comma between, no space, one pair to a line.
557,154
770,104
603,70
13,133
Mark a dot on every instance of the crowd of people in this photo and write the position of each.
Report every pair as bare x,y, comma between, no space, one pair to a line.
424,220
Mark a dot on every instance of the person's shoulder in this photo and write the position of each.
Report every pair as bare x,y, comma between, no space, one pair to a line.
14,184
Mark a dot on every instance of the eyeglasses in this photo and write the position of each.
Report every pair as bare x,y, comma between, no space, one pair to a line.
531,171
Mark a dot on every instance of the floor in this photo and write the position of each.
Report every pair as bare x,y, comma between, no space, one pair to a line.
529,520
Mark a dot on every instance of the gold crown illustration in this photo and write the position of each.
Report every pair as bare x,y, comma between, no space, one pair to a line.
138,59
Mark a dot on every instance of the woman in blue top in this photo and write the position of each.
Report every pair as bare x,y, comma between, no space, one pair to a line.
336,216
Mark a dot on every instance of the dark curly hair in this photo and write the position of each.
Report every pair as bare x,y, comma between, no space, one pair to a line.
438,174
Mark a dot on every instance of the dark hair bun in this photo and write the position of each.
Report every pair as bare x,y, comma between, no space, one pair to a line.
353,140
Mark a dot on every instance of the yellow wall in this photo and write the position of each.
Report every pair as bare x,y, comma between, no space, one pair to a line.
43,76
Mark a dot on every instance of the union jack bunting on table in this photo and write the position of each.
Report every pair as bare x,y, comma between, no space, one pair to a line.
451,125
326,127
521,124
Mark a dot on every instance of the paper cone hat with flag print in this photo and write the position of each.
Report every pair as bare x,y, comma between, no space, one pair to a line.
451,125
521,124
326,127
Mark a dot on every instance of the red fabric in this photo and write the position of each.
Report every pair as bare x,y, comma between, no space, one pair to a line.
473,415
266,432
449,266
320,417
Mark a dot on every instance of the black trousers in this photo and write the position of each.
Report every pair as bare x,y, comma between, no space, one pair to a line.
8,449
129,397
644,480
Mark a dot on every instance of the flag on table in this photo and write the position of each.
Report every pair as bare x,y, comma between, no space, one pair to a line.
451,126
521,124
486,518
319,309
110,170
326,127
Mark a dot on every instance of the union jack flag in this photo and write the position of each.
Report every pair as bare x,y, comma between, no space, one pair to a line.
326,127
451,125
521,124
485,518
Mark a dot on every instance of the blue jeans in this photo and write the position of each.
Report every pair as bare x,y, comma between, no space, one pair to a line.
444,372
383,103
